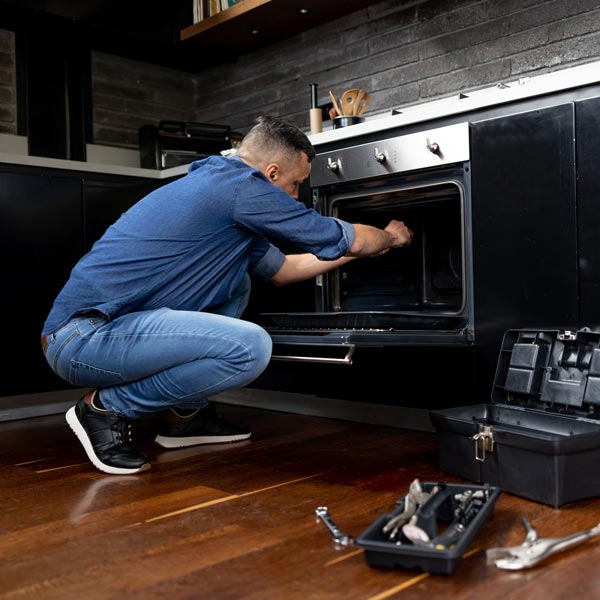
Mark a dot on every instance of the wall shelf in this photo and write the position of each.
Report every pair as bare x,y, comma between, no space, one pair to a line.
253,24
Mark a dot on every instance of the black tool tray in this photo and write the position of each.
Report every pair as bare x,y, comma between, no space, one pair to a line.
436,517
540,437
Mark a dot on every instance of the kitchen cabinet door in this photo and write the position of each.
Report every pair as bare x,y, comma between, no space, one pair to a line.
524,226
587,115
40,241
47,222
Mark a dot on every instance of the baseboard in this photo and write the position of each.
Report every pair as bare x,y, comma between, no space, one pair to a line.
27,406
346,410
51,403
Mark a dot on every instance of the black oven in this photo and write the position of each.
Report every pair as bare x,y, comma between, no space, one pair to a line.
420,295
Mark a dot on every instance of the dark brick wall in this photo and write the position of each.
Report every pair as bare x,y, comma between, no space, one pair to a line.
127,94
403,52
8,106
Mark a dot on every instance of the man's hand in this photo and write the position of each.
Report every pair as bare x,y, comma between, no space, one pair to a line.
372,241
402,234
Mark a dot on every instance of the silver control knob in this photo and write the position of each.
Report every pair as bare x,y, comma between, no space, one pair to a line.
332,165
433,147
380,157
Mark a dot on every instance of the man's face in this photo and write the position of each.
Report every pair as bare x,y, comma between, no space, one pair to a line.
290,176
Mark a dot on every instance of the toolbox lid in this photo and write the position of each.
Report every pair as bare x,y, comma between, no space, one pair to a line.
551,370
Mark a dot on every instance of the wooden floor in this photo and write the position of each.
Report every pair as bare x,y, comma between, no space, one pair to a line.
237,521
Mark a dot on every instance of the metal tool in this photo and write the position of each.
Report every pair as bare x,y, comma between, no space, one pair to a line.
397,522
447,539
467,505
415,534
533,550
340,538
415,498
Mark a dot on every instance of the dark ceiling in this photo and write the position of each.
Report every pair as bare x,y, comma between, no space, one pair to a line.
142,29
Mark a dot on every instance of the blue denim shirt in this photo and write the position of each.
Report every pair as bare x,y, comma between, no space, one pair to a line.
189,244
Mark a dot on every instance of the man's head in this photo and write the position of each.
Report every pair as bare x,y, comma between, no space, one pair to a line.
280,151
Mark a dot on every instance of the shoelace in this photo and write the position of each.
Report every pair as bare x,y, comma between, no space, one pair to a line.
123,431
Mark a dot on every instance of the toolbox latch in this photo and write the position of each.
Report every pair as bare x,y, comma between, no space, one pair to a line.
567,335
484,442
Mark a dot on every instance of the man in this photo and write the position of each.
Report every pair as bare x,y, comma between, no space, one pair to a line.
150,317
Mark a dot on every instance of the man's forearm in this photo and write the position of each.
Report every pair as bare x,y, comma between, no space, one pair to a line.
299,267
369,241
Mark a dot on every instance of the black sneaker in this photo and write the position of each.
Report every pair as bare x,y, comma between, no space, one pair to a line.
106,438
203,426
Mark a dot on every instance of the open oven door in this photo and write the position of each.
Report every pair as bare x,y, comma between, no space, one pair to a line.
337,346
419,296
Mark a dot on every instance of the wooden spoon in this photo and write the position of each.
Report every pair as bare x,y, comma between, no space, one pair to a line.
348,101
336,106
362,103
356,105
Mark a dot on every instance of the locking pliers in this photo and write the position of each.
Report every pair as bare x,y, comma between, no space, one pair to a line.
533,550
414,499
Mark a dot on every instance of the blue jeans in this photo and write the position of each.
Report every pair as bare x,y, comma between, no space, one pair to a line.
144,362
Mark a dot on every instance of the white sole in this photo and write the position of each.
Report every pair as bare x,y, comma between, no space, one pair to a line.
183,442
79,431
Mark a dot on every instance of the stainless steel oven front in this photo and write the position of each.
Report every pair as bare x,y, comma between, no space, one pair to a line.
418,295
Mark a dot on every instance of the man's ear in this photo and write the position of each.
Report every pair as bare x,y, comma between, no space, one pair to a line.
271,172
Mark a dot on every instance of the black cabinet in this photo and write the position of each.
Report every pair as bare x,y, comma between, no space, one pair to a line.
588,199
48,220
524,226
41,239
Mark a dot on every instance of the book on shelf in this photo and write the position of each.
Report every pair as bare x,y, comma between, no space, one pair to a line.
225,4
208,8
200,10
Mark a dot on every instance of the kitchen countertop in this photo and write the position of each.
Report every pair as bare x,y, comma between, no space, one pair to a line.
88,167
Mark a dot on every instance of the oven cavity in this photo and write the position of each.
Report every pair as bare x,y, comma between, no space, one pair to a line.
426,276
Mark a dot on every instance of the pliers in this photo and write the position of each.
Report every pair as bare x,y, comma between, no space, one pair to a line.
415,498
533,550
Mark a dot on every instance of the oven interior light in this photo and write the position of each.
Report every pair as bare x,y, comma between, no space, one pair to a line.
254,31
303,11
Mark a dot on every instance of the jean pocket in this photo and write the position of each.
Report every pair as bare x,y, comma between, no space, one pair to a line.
86,375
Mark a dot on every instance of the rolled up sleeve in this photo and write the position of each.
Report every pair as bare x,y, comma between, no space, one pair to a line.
347,240
269,264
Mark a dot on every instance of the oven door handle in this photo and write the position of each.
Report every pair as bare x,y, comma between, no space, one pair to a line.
347,360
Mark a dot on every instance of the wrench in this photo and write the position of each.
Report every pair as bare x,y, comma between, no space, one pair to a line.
340,538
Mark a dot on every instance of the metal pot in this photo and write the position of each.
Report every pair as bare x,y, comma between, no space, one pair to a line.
346,121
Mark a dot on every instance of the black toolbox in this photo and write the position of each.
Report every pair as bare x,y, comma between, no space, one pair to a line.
450,519
540,436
